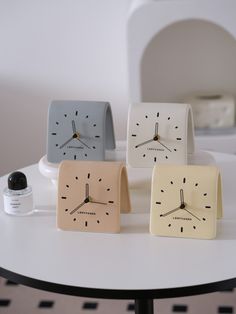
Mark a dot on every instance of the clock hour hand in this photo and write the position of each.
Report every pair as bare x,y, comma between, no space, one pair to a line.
73,126
182,204
156,129
146,142
86,190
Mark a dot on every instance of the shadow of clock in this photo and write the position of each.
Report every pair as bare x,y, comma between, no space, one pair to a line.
226,230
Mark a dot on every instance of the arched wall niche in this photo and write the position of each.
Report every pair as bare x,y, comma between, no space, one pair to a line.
188,57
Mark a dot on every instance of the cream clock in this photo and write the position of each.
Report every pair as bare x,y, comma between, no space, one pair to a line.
159,133
91,196
185,201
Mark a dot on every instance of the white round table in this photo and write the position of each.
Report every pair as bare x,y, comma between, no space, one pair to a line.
130,265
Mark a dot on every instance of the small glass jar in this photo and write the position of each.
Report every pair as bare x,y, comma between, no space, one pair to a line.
18,196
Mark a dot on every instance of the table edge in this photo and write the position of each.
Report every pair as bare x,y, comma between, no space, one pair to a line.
116,293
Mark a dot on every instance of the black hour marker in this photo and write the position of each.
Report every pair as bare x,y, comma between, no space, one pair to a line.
157,114
111,202
64,153
108,189
86,224
74,219
85,155
57,123
86,117
169,225
137,124
176,127
74,157
207,206
66,210
175,149
181,229
65,115
94,147
162,191
97,136
144,155
88,175
166,157
179,138
67,186
76,178
54,133
184,180
98,221
107,213
171,182
56,145
159,203
76,113
205,194
196,184
95,125
194,227
64,197
146,117
204,219
134,135
168,118
155,159
100,180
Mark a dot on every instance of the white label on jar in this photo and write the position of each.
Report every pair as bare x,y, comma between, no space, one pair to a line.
18,204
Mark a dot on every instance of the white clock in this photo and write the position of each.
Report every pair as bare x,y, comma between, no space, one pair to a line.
159,133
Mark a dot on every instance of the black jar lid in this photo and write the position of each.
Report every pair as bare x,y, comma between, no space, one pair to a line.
17,181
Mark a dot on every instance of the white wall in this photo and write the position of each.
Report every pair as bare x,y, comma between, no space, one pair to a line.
57,49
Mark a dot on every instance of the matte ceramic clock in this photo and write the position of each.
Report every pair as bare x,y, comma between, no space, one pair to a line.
186,201
79,130
159,133
91,196
213,111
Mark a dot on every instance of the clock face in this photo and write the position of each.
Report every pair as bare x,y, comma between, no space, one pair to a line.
184,204
87,198
156,136
75,131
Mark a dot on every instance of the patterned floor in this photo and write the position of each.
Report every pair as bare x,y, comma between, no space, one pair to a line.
17,299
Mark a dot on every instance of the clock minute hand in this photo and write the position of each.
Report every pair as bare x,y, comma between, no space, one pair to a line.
82,142
76,208
70,139
170,212
146,142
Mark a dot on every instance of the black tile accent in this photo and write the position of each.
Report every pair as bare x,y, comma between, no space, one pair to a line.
5,302
225,309
46,304
90,305
130,307
180,308
11,283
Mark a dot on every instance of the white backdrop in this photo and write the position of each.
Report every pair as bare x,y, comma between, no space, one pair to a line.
57,49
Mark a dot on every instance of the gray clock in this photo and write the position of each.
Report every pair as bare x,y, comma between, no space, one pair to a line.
79,130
